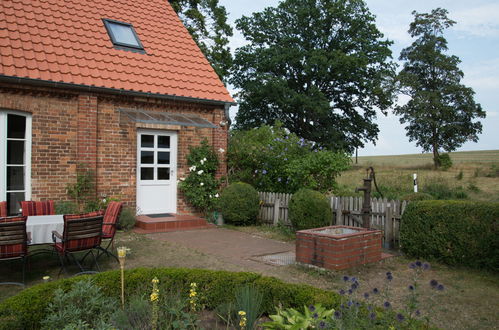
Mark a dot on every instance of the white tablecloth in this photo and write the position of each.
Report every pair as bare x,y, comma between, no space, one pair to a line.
41,227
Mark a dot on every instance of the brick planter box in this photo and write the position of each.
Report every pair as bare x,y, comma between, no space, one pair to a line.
338,247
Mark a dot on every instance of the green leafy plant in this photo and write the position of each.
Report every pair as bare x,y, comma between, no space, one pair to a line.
239,204
66,207
460,175
249,299
83,188
127,219
309,209
312,317
453,232
417,197
442,190
200,186
84,304
445,161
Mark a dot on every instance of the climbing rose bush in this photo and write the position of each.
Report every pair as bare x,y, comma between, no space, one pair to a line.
272,159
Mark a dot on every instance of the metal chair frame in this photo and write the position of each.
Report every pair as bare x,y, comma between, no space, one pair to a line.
14,233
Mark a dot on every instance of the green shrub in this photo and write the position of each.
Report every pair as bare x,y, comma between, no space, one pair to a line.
84,303
66,207
445,161
442,190
453,232
309,209
239,204
28,308
270,158
200,184
417,197
127,219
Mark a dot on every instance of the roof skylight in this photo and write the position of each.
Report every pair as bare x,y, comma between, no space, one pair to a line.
123,35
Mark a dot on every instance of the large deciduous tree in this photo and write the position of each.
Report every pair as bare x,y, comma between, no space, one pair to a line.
440,112
320,67
206,21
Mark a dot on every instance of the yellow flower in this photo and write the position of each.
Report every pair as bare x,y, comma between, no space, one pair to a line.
242,313
193,285
46,278
192,294
155,280
154,296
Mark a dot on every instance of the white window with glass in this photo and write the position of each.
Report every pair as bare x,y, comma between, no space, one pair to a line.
15,161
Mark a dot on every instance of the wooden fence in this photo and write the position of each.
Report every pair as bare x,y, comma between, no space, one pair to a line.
385,216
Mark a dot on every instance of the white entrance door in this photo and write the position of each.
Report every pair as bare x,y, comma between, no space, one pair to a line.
156,172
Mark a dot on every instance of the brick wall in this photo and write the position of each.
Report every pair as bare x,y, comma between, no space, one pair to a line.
338,252
71,129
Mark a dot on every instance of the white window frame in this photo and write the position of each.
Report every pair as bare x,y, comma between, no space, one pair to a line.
3,153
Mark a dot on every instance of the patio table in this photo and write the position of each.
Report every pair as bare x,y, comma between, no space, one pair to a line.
41,227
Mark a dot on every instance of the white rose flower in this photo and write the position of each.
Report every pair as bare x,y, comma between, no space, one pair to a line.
204,159
200,172
201,184
221,150
211,196
216,195
182,179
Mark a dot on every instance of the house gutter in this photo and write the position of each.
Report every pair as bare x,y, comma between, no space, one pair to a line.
113,91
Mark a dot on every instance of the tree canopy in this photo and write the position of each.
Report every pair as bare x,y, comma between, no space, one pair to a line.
206,21
321,67
440,112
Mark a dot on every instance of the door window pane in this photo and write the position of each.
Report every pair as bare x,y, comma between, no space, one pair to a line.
147,157
163,173
16,126
15,152
163,158
147,141
15,177
147,173
163,141
14,200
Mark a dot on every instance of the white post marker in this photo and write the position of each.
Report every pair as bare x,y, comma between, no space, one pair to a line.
415,183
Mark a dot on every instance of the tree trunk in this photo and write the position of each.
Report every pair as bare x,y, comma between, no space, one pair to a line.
436,157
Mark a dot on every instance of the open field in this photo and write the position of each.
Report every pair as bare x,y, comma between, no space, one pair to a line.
474,175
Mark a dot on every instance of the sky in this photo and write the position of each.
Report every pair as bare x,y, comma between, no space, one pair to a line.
474,39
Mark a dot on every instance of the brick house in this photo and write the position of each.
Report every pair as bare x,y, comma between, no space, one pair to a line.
118,87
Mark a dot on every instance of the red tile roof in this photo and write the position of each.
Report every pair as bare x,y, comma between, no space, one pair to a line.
66,41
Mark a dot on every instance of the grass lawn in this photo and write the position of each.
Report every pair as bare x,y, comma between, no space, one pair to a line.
468,302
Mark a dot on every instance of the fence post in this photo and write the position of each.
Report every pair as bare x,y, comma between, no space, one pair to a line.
339,213
388,226
277,206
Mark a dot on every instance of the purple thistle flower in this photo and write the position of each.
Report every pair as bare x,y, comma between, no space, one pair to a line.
337,315
322,325
357,304
433,283
354,286
372,316
375,291
342,292
388,273
419,263
350,303
264,172
389,277
353,279
311,308
426,266
400,317
345,278
440,287
342,306
418,313
387,304
412,265
366,295
411,287
350,291
315,316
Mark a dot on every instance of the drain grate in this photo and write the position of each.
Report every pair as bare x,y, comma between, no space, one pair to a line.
279,259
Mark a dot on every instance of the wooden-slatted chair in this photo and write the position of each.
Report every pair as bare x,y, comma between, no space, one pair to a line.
82,232
30,208
3,209
14,242
111,217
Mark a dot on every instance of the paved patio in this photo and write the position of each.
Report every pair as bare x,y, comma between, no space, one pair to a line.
232,246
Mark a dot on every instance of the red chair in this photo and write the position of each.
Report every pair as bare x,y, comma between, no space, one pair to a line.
111,217
14,242
37,208
3,209
82,232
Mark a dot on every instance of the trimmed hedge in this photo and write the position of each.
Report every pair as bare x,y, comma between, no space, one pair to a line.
453,232
309,209
27,309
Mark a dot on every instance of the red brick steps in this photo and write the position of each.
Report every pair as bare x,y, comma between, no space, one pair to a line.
147,225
